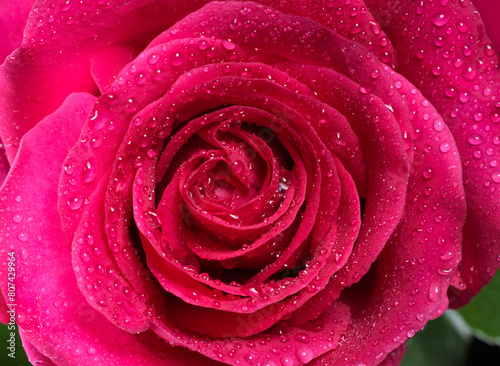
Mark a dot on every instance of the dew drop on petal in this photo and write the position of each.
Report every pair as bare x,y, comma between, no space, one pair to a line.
441,19
176,59
304,354
89,171
23,236
439,125
495,117
228,45
75,203
445,147
475,140
434,292
286,360
495,177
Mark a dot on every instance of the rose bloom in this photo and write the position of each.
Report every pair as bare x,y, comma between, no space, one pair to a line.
280,182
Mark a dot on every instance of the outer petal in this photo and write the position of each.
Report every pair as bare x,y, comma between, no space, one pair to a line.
54,315
489,11
37,78
458,72
4,164
35,357
407,285
58,46
13,18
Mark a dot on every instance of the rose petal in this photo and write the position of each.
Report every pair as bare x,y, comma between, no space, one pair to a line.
289,345
80,29
52,313
35,357
408,283
4,164
107,64
465,91
13,18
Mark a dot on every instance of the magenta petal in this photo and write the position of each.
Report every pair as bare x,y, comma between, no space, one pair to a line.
347,18
51,311
38,76
395,357
4,164
286,345
35,357
4,317
107,64
465,91
13,18
413,272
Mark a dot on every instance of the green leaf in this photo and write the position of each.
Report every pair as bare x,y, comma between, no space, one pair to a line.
439,344
482,314
20,358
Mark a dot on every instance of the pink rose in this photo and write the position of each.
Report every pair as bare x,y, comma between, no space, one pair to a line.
273,183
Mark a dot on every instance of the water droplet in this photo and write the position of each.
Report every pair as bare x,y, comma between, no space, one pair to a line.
140,78
436,70
439,125
441,19
450,91
478,116
355,28
251,289
428,173
238,166
461,27
302,337
475,140
420,8
285,182
85,256
445,147
176,59
89,171
304,354
447,256
434,291
250,358
65,6
98,122
286,360
466,50
439,41
153,58
75,203
23,236
228,45
469,73
495,177
17,218
495,117
464,97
